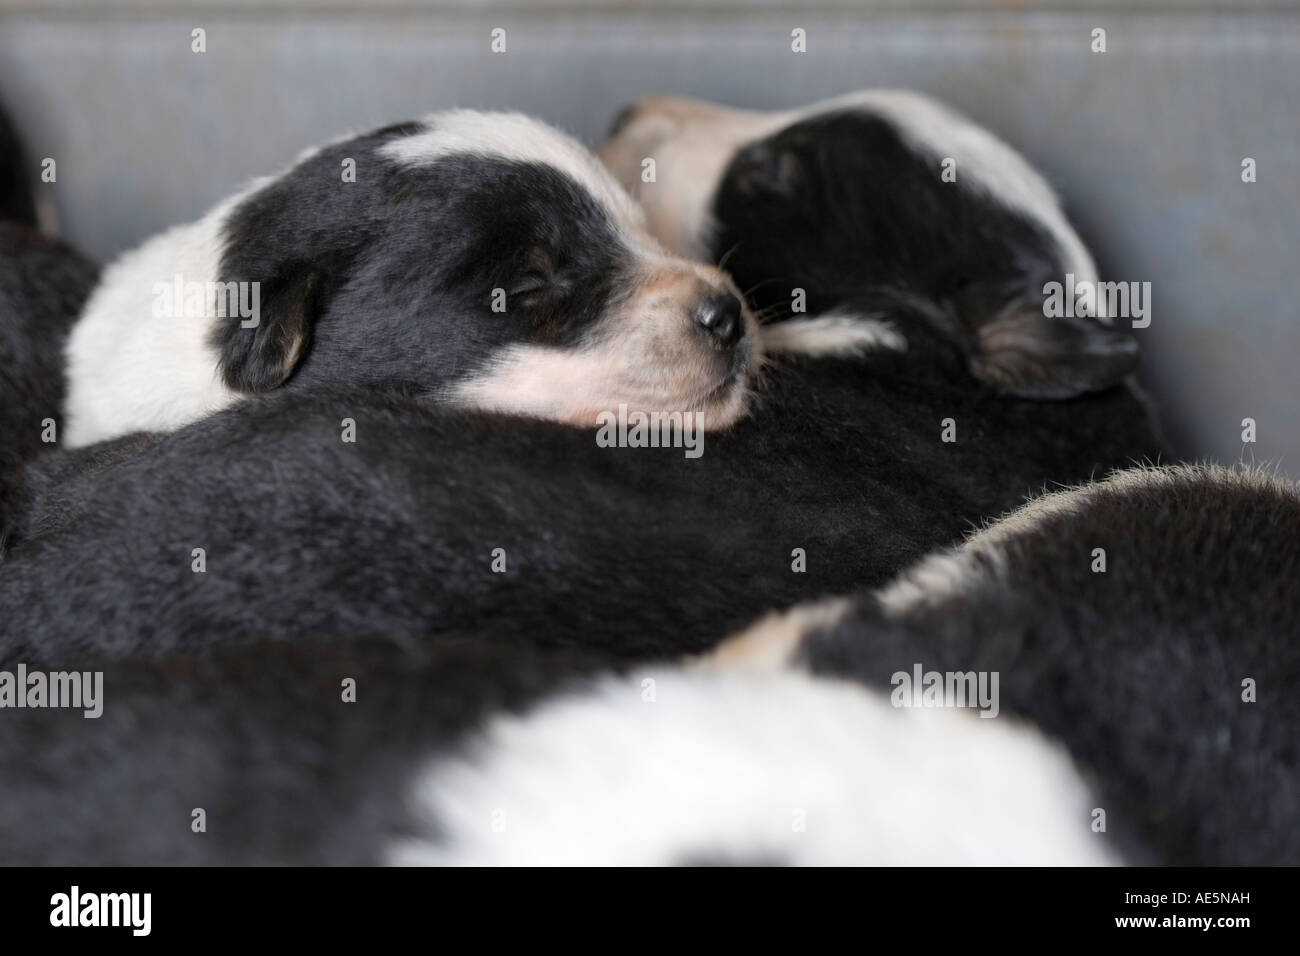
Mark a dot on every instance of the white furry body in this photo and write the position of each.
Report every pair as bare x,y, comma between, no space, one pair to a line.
750,767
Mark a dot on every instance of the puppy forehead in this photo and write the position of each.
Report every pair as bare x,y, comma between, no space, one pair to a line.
513,136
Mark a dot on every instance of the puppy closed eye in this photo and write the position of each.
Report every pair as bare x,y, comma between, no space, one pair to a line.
531,288
538,282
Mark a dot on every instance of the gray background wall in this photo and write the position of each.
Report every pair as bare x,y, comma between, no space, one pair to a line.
1144,141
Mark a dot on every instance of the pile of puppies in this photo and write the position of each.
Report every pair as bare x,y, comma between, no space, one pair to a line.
363,588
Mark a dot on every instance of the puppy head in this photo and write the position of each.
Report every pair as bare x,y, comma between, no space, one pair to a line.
484,258
877,202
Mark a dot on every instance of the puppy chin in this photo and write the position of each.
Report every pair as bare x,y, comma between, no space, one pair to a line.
729,402
723,407
583,388
729,407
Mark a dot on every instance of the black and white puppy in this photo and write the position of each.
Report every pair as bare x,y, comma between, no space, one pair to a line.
1150,622
379,751
485,259
873,213
853,467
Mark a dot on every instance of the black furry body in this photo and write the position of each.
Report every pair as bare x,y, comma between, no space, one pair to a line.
17,204
640,551
261,739
43,284
1137,670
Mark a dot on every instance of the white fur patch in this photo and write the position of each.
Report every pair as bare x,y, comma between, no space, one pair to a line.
831,334
131,370
514,136
750,766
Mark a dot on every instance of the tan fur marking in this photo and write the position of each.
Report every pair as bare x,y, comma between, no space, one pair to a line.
646,354
772,642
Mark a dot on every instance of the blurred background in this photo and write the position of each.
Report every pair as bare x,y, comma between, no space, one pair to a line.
1145,141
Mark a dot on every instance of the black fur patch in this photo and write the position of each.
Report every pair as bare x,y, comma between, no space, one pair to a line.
839,205
16,177
43,284
390,279
261,739
641,551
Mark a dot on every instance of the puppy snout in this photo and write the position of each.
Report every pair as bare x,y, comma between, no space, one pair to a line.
720,317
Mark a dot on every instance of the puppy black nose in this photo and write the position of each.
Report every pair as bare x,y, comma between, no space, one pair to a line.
720,317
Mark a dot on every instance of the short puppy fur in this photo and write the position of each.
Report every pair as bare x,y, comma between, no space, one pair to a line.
855,463
842,210
482,259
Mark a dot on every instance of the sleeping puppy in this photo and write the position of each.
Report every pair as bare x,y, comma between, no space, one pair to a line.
1150,622
856,463
869,214
497,753
483,259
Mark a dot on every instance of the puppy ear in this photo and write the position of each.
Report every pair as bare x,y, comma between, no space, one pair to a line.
1025,353
259,353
